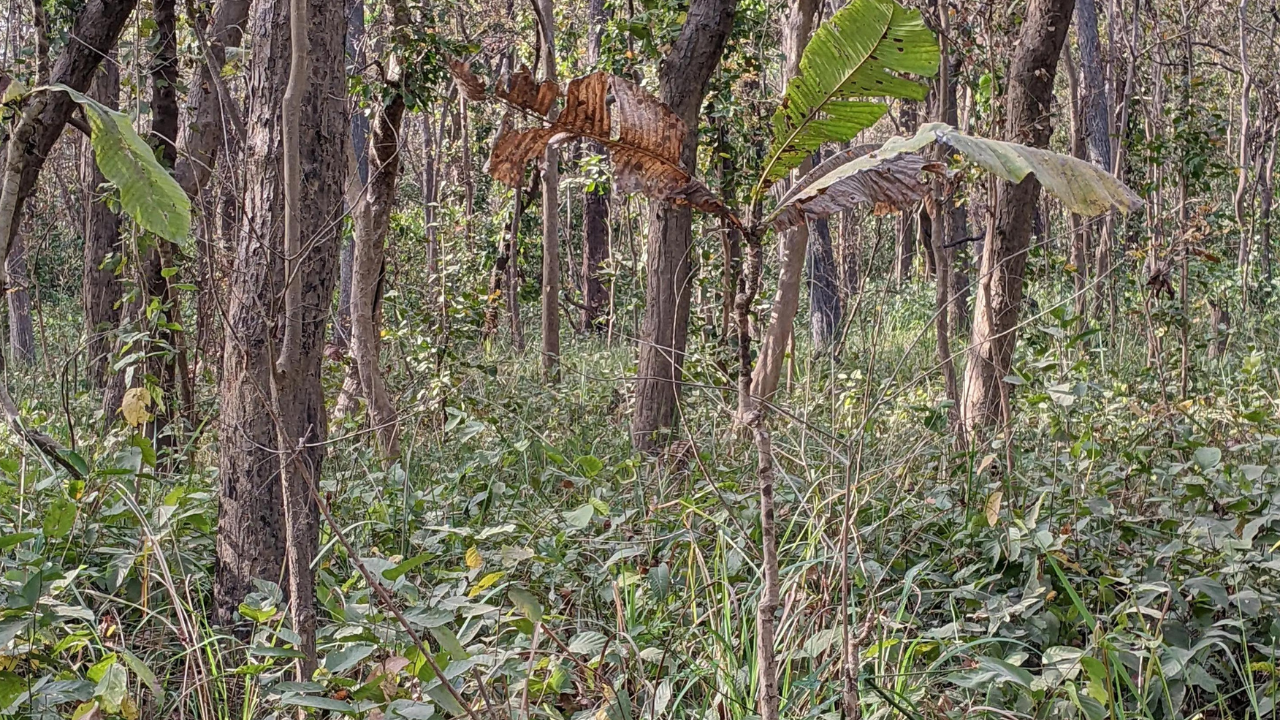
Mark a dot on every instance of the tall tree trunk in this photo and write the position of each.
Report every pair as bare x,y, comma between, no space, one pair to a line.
668,267
100,290
360,145
550,217
595,246
371,212
904,247
793,244
1004,257
251,533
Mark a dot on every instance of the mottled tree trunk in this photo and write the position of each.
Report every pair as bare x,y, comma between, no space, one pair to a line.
100,289
359,144
668,267
1004,256
251,533
904,247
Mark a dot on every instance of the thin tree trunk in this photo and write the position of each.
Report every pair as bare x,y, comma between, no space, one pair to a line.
359,144
792,245
550,218
1004,260
1079,233
668,268
100,289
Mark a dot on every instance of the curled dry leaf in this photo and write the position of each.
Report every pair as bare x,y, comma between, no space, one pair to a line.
643,137
891,176
469,84
853,177
523,91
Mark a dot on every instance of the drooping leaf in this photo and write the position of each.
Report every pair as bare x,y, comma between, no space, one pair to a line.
135,406
862,52
892,175
853,177
643,136
148,193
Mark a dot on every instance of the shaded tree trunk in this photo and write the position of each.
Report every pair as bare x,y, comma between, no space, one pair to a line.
1004,257
100,289
824,293
251,532
904,247
668,267
359,144
595,246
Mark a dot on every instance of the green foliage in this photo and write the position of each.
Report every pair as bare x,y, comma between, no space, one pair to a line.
859,53
148,194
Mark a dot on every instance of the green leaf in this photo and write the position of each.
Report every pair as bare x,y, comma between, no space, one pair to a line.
148,193
526,603
143,672
1208,457
76,461
59,518
863,51
399,571
340,661
318,702
9,541
581,517
590,464
112,688
449,642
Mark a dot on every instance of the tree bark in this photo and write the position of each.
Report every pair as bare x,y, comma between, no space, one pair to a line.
668,267
359,144
595,247
251,533
210,108
100,290
824,292
371,213
22,338
1004,256
550,217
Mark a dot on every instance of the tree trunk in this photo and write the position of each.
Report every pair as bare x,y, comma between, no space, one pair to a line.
793,244
371,212
595,246
904,247
100,290
251,533
550,217
359,144
210,108
824,291
22,338
1004,256
1079,233
668,267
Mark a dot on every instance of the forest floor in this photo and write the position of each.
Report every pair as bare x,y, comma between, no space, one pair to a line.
1109,554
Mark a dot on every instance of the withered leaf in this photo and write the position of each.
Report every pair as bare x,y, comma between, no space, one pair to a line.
469,84
522,90
643,137
854,177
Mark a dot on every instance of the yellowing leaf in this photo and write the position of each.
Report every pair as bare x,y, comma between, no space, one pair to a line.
474,560
135,406
993,508
485,583
14,91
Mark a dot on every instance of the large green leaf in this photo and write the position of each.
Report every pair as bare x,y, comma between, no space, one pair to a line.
862,52
147,192
891,176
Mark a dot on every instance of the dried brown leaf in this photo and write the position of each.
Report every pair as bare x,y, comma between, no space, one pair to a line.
523,91
469,84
